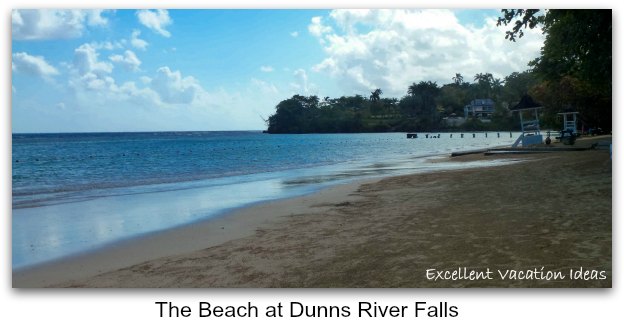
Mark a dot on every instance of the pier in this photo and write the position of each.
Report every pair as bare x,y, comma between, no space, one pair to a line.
475,135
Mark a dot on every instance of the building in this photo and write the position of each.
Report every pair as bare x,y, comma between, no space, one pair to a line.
481,109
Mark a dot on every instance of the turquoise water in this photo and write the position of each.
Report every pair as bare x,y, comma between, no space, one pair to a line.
77,192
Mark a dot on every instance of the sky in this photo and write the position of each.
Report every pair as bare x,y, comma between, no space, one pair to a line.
180,70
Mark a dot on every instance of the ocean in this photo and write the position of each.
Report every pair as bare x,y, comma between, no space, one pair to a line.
77,192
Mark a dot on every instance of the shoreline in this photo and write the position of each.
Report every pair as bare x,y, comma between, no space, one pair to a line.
240,222
229,225
363,172
104,268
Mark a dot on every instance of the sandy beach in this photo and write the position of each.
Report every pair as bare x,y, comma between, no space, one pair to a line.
551,212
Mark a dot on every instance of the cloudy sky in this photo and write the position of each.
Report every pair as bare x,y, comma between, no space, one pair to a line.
157,70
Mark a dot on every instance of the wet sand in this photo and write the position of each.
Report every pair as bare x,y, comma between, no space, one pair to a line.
552,211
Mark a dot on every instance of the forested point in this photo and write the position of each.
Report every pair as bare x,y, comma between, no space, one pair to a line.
573,73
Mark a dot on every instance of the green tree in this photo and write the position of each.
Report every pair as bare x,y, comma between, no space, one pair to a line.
423,99
528,18
376,95
578,42
453,98
294,115
458,79
516,85
578,45
484,84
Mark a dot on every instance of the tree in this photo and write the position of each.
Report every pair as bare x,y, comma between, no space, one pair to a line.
484,78
528,19
294,115
376,95
516,85
412,90
453,98
425,103
485,83
458,79
422,96
578,42
578,45
497,89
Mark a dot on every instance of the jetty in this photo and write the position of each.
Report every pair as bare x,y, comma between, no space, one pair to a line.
598,145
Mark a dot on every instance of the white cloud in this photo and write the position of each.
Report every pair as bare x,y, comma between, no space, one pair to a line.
155,20
94,17
294,34
128,60
41,24
145,96
34,65
86,61
173,88
60,106
88,73
266,68
302,78
264,86
107,45
316,28
92,81
390,49
301,84
136,41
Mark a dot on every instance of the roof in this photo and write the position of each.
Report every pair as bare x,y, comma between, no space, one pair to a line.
526,102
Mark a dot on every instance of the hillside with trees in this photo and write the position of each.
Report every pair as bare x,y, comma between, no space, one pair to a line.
573,73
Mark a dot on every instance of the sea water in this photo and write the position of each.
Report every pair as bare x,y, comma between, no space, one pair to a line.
73,193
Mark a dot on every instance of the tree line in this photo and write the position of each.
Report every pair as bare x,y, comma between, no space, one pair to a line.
573,73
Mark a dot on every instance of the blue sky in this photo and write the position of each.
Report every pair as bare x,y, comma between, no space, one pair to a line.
151,70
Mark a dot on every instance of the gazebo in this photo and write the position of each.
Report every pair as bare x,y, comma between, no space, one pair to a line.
527,108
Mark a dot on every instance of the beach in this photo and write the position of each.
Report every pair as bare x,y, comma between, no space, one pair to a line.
551,212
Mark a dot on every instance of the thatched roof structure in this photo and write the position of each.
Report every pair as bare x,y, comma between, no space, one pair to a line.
526,102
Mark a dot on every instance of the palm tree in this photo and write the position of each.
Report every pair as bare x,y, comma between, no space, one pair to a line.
485,78
458,79
423,97
497,87
412,90
485,81
376,95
